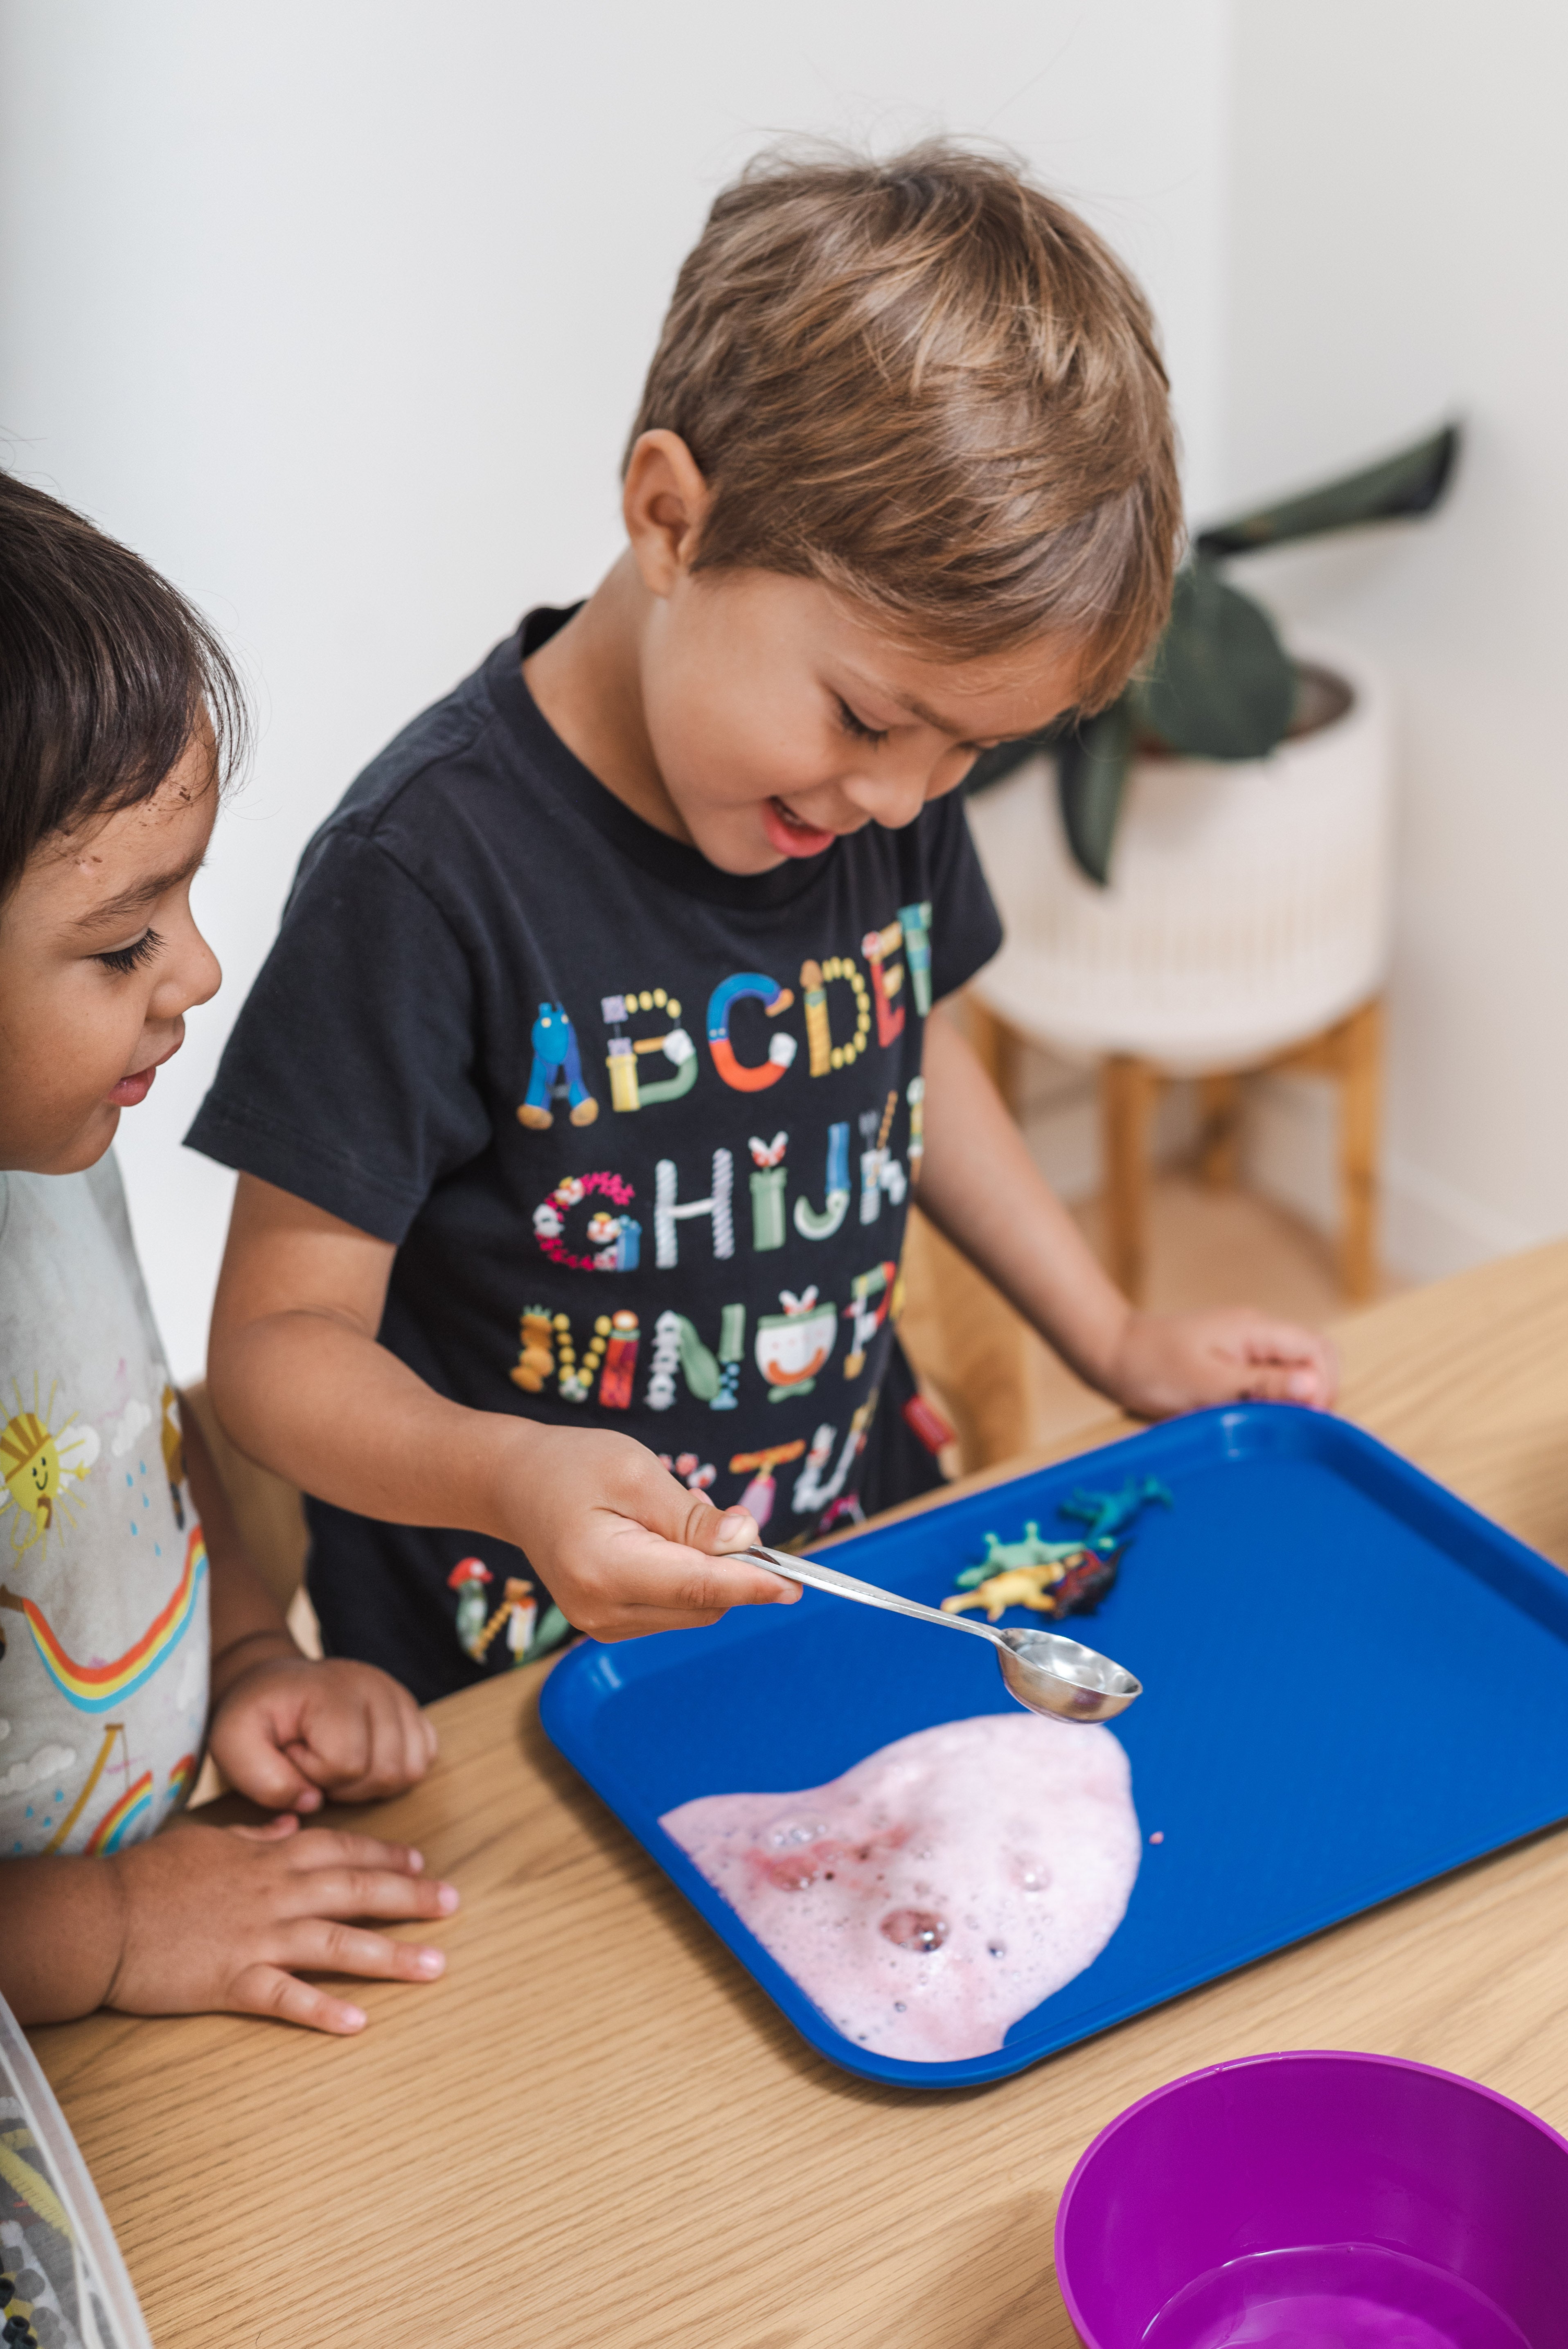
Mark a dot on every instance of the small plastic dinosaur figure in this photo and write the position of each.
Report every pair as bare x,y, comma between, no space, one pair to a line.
1016,1586
1062,1578
1071,1587
1109,1514
999,1555
1016,1574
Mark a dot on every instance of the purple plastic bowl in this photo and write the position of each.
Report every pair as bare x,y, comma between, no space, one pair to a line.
1323,2202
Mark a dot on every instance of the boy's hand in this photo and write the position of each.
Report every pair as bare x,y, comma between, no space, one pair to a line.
219,1921
623,1548
289,1732
1169,1362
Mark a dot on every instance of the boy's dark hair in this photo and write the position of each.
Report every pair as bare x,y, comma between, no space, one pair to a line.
105,673
926,383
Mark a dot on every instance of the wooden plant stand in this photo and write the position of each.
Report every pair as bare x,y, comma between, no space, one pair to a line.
1350,1053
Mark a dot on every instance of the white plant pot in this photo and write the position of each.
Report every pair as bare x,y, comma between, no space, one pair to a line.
1249,904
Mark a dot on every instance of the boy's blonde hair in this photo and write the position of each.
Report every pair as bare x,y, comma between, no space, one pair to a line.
929,384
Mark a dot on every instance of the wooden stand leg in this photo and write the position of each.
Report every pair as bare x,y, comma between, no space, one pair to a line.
1360,1054
996,1048
1220,1106
1127,1096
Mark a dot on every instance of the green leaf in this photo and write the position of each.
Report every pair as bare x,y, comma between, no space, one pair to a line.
1221,685
1091,771
1411,483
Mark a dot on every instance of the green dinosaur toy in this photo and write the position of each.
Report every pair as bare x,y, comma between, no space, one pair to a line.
1031,1551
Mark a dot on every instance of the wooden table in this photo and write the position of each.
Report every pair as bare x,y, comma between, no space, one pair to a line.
597,2130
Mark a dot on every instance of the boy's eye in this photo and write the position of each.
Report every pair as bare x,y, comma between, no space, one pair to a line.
124,959
857,726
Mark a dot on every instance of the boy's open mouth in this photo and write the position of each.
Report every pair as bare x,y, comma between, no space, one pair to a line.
133,1090
791,833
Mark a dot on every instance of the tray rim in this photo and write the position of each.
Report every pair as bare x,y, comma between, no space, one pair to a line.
1527,1574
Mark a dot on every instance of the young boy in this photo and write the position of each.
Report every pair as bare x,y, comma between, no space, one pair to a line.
119,714
580,1104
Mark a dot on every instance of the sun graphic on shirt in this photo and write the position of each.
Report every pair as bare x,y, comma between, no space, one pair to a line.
41,1458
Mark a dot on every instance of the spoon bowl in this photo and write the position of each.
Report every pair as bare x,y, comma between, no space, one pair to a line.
1040,1670
1062,1678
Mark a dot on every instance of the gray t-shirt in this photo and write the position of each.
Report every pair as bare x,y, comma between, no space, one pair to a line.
103,1570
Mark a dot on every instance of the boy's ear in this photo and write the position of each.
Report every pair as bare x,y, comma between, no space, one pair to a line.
665,502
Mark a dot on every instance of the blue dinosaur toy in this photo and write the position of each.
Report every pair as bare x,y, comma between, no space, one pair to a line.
1107,1515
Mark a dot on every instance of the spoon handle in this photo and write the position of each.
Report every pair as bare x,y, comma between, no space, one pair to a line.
817,1576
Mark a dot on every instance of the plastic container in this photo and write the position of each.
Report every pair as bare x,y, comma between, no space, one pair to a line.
56,2243
1339,2200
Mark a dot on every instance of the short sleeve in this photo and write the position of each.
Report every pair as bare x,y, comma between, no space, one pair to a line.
966,928
348,1079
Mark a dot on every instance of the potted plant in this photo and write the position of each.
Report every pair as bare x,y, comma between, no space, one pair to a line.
1219,684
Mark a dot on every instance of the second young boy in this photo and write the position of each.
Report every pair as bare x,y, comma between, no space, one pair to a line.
581,1102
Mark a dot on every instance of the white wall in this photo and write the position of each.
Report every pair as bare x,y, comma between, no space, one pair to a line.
1399,226
338,310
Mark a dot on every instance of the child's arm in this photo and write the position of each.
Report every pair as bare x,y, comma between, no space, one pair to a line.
283,1728
201,1919
981,1189
301,1384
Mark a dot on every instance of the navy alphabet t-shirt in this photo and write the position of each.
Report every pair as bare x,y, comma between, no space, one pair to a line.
643,1134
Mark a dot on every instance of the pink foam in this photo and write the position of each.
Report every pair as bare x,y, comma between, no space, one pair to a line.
940,1889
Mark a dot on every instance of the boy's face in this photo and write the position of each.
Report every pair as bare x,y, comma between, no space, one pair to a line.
100,960
779,718
761,717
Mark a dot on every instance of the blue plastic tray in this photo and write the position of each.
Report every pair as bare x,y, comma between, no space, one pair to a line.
1353,1684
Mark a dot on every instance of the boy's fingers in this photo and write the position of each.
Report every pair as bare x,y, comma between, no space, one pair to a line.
418,1746
395,1743
325,1945
257,1767
656,1502
276,1830
1306,1362
267,1989
1282,1341
390,1750
345,1892
349,1758
704,1527
1280,1384
304,1762
324,1847
641,1623
682,1581
717,1536
736,1529
339,1740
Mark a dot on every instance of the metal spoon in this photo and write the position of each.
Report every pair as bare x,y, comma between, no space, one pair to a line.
1042,1670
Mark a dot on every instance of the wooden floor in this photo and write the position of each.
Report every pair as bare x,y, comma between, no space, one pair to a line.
1004,1390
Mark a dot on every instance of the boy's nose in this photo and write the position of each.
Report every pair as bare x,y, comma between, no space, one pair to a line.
893,798
195,979
206,974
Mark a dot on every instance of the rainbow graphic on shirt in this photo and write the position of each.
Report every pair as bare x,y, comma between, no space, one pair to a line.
93,1688
182,1778
125,1818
